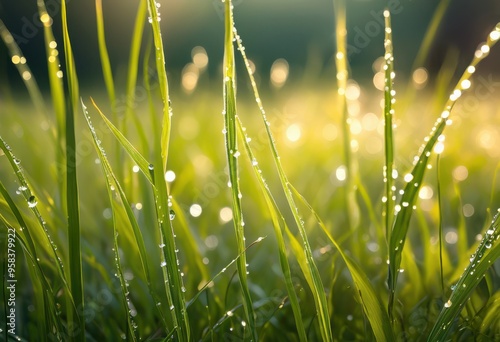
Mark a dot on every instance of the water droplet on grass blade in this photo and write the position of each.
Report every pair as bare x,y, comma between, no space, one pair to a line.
32,202
172,215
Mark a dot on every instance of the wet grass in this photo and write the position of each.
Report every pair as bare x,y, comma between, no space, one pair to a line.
127,234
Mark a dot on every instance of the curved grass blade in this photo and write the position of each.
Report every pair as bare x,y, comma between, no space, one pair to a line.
486,254
490,321
341,64
278,223
372,305
389,100
48,310
136,156
172,275
317,288
112,182
174,292
26,191
232,153
404,209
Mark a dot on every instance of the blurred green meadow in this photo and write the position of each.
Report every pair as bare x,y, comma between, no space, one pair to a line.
141,260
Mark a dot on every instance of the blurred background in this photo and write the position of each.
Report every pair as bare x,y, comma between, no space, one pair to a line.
299,31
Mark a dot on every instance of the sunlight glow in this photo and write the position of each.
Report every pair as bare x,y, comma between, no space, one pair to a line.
195,210
460,173
279,72
420,77
200,57
190,75
170,176
293,132
341,173
226,214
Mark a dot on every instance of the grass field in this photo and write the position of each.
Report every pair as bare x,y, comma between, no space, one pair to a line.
311,209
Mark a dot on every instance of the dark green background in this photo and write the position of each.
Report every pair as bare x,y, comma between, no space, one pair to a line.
271,29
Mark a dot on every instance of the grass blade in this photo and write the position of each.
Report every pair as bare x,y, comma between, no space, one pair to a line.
341,63
73,207
317,287
486,253
279,225
154,18
105,63
57,95
133,67
372,305
404,209
138,158
232,153
389,93
113,182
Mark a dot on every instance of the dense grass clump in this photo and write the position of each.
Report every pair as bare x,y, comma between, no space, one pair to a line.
148,224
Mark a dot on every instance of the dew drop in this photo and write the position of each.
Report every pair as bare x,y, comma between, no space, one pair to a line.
32,202
172,215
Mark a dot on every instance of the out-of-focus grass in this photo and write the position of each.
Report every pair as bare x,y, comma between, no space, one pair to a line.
131,227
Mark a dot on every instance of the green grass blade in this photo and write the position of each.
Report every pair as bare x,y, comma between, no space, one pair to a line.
440,226
232,153
154,18
317,288
414,180
57,95
105,63
73,207
39,236
389,100
137,157
278,225
174,286
341,64
372,305
133,66
113,182
486,254
48,311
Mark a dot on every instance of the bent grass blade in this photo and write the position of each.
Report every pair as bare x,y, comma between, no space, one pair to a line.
317,288
279,225
112,182
372,305
486,254
414,181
